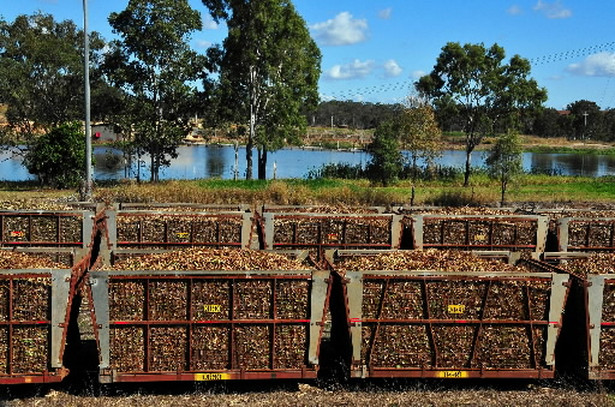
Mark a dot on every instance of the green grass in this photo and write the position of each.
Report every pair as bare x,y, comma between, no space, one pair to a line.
570,150
484,191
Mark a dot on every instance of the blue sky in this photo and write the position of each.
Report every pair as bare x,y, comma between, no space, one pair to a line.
374,50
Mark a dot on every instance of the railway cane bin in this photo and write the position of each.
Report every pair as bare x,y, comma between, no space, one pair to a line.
205,325
594,277
59,229
167,229
34,316
478,232
499,322
318,232
586,234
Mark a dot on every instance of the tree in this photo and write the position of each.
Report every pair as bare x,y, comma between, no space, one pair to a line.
41,73
155,68
420,134
386,159
269,71
586,120
58,157
504,161
473,82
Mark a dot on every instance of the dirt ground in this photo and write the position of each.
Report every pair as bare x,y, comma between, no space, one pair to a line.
374,394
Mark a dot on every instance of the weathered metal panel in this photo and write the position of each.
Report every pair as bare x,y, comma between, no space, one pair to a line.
208,325
454,325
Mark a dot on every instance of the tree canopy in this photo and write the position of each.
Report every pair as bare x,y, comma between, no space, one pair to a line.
153,65
473,82
41,72
269,70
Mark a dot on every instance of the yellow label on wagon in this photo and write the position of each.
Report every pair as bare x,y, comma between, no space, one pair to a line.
17,233
182,235
456,308
210,377
453,374
333,237
212,308
480,237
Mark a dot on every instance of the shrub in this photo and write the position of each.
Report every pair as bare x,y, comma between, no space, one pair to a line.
58,158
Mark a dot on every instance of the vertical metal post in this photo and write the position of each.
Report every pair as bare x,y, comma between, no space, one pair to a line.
88,127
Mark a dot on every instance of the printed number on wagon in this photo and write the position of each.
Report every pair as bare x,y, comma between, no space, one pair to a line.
204,377
212,308
456,308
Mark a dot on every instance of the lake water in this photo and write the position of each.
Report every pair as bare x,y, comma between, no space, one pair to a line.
208,161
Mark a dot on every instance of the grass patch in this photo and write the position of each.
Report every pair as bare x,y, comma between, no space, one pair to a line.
483,191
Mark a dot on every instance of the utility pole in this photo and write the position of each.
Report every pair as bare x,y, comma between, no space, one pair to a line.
88,127
585,114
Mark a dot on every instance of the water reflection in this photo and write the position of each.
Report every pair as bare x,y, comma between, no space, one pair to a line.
195,162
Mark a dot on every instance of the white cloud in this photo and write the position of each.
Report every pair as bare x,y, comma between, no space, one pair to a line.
385,14
203,44
354,70
209,23
514,10
601,64
553,10
342,30
392,68
416,75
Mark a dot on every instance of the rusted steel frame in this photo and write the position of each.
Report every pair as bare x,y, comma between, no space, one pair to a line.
462,373
146,334
601,374
588,248
376,332
187,244
95,325
323,320
234,355
45,377
500,246
462,277
9,365
479,330
532,324
502,218
231,374
272,333
429,321
427,313
319,216
585,285
26,323
42,244
199,215
333,245
180,322
224,275
189,315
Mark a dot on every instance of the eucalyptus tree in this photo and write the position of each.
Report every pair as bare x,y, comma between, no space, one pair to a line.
474,82
154,66
269,70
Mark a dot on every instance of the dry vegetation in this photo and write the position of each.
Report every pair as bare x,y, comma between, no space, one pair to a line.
312,396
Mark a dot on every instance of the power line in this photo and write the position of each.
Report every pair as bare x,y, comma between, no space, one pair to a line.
407,84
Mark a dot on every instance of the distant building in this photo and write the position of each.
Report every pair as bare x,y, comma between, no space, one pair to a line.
103,133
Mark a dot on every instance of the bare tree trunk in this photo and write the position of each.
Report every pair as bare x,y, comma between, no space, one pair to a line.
504,185
262,163
466,175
